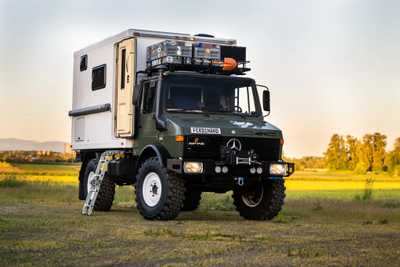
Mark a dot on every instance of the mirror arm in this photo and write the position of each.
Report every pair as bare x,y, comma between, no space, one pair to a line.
161,124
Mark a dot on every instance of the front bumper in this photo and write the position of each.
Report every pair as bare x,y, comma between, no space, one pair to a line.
210,168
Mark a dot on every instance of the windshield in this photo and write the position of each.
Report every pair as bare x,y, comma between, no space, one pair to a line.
210,95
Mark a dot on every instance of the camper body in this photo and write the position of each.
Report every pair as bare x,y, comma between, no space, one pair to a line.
179,119
91,127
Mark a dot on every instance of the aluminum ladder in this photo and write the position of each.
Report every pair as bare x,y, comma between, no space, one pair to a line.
95,179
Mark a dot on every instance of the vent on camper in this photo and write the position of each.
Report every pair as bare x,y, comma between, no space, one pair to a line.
204,35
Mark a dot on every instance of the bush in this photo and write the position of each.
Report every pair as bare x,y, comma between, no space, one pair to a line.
367,194
396,170
6,167
11,182
361,168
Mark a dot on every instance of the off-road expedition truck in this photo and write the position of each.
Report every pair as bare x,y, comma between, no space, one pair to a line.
173,115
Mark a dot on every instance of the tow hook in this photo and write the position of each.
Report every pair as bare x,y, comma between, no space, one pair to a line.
239,181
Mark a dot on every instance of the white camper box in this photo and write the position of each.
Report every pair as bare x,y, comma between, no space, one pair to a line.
102,110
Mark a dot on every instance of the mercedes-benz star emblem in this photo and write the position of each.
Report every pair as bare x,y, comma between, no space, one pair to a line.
234,144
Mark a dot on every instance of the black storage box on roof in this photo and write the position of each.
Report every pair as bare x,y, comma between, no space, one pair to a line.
236,52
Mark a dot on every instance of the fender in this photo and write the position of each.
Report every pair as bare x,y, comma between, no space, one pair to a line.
154,149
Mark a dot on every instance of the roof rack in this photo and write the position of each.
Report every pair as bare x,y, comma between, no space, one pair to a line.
197,56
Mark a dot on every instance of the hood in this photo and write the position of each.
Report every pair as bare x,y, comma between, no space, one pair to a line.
226,125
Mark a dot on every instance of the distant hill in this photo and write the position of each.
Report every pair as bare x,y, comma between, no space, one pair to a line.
8,144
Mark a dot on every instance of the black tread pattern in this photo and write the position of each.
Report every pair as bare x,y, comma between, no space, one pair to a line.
192,200
175,188
105,198
271,204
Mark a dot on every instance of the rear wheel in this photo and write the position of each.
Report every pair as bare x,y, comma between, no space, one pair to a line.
260,202
106,194
159,195
192,200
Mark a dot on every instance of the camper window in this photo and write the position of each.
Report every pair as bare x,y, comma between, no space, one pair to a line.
84,61
99,77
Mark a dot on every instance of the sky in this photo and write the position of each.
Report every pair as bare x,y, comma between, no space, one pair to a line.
332,66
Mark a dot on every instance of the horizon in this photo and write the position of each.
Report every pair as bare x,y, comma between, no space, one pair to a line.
331,66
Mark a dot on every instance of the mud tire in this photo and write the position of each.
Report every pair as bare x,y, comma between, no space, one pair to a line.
267,207
172,192
192,200
106,194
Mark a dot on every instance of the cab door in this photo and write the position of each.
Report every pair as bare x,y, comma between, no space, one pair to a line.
126,63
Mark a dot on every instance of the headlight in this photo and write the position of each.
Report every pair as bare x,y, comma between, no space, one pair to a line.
278,169
193,167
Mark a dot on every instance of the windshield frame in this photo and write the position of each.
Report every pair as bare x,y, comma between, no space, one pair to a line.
174,78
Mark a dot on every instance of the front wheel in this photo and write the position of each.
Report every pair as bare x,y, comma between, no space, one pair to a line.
260,202
159,195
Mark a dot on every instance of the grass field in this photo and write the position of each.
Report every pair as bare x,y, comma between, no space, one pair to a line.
329,219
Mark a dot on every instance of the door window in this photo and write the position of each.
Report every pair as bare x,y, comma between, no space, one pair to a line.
123,64
148,97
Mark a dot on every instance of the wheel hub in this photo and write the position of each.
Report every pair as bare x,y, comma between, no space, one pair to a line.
253,198
91,181
152,189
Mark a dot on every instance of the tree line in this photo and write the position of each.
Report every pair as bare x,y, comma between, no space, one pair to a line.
362,155
367,154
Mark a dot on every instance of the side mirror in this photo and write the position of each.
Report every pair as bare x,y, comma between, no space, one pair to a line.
266,101
136,95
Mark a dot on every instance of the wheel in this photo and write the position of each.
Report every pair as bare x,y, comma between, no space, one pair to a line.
192,200
261,202
159,195
106,194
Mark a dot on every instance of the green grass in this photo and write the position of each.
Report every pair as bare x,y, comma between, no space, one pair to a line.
41,224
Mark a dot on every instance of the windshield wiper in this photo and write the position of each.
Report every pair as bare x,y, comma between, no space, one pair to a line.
228,113
184,110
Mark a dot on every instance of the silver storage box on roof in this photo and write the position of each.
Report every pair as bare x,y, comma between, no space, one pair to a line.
176,52
206,51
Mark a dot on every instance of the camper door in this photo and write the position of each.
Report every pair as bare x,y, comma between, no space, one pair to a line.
126,63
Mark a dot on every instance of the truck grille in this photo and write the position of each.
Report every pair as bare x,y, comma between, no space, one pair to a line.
209,147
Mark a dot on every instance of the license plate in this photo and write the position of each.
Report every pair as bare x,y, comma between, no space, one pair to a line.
205,130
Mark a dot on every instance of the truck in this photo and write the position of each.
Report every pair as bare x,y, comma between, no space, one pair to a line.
174,115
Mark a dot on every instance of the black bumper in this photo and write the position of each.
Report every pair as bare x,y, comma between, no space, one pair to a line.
176,165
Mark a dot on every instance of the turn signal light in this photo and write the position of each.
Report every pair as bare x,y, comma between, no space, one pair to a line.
179,138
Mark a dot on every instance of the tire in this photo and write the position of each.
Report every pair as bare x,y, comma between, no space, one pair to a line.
192,200
159,194
254,205
106,194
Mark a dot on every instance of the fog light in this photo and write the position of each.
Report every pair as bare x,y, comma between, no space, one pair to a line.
259,170
253,170
225,169
277,169
217,169
193,167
